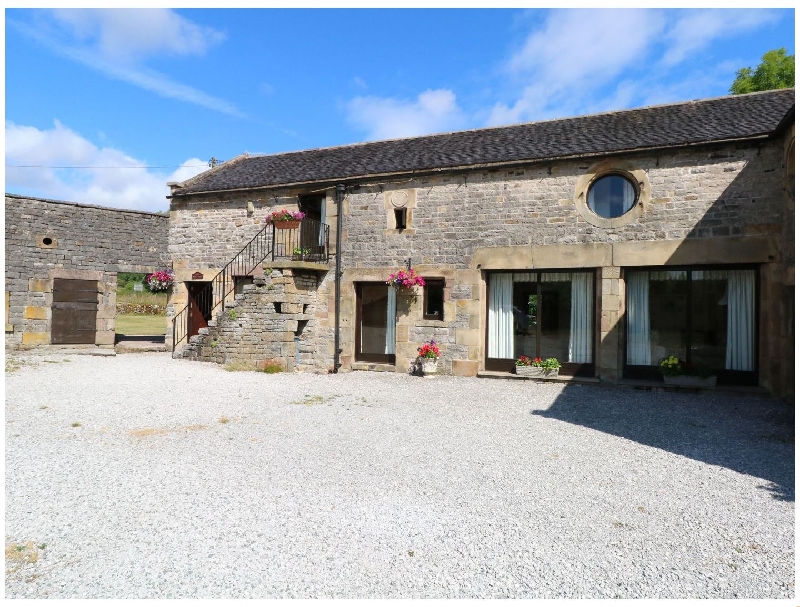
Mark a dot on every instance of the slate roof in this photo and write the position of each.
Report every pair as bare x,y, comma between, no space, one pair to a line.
688,123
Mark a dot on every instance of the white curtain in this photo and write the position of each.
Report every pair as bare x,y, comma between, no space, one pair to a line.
556,276
391,313
501,316
638,312
741,320
322,222
611,197
580,325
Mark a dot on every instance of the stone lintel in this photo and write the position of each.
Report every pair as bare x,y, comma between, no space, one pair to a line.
694,251
76,274
582,255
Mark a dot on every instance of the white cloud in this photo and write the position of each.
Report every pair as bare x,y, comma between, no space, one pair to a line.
119,39
114,178
587,61
574,54
696,29
433,111
132,34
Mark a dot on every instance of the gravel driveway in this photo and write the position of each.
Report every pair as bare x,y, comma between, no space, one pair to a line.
139,476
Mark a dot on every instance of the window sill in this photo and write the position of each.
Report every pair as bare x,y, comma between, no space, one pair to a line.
407,231
431,323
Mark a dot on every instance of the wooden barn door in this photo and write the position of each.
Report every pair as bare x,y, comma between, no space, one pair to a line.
74,319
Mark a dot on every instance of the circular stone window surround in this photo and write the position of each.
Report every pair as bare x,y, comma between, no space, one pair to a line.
612,167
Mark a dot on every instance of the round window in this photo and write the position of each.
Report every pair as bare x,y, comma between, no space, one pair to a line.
611,196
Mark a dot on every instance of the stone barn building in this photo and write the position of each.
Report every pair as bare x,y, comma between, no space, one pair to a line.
62,260
607,241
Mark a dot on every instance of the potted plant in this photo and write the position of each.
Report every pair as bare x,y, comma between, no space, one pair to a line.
159,281
299,253
677,372
551,367
529,367
285,219
428,354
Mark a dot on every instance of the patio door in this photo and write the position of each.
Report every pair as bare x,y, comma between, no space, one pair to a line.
541,314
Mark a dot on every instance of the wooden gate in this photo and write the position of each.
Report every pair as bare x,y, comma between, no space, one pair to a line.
74,319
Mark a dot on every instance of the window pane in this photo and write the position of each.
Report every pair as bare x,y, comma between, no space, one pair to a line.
555,319
374,302
709,318
669,298
525,310
611,196
434,299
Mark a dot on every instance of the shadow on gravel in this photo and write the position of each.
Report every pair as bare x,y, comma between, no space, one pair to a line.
753,436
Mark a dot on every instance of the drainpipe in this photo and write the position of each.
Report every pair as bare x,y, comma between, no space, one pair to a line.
340,192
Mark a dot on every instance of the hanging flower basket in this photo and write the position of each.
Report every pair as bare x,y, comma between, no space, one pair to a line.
285,219
159,281
405,280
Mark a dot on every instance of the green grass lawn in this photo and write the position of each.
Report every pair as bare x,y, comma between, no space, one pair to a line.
135,324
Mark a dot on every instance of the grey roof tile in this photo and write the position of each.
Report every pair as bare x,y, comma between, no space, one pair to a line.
693,122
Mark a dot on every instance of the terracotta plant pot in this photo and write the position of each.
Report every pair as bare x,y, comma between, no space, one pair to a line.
286,225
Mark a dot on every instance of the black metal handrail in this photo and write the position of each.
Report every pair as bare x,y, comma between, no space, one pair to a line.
307,242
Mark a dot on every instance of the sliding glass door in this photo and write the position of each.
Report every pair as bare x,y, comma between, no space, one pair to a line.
541,314
702,316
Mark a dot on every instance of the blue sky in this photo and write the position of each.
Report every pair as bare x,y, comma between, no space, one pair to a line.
136,98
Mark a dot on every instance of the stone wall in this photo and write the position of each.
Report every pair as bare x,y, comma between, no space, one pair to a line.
717,204
728,191
273,322
47,239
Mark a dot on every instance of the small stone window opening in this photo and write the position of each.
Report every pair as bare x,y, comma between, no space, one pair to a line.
433,299
400,219
612,196
46,242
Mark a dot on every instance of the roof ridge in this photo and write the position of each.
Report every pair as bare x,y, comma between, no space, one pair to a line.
510,126
211,171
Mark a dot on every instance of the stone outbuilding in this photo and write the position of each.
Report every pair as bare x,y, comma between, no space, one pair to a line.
607,241
61,265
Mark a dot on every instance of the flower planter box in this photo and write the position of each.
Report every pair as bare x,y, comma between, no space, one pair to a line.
286,225
690,381
528,371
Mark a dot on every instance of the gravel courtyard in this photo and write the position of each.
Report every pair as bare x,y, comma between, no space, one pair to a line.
139,476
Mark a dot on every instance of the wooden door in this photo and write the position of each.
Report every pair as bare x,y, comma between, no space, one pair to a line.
200,299
74,319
